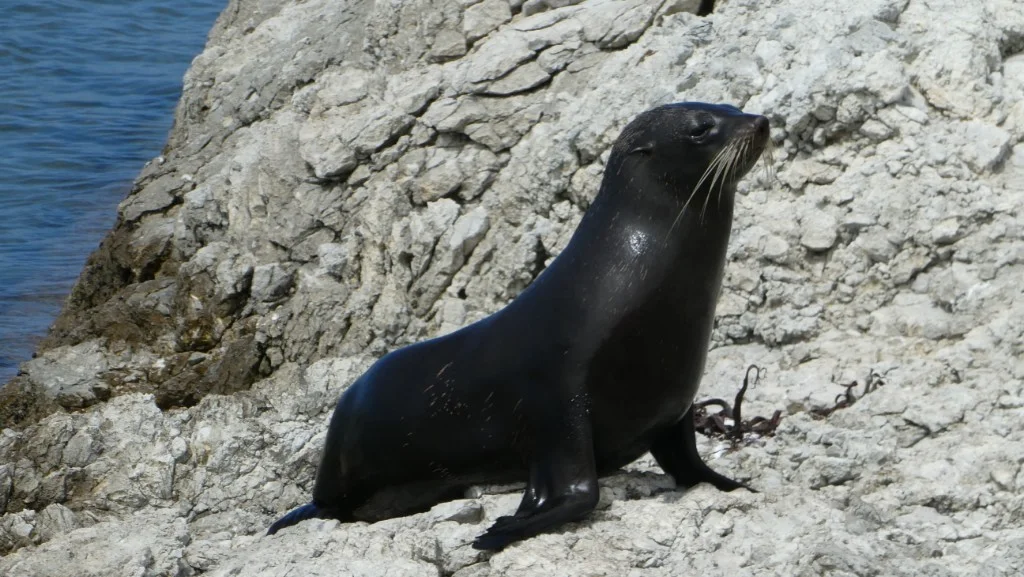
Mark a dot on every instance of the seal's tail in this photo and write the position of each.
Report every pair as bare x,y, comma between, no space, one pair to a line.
307,511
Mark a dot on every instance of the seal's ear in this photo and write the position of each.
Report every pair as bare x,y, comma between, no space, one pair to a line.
643,147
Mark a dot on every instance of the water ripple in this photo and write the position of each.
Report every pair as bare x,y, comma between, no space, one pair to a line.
87,94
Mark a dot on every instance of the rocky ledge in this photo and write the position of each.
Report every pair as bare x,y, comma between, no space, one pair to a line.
344,177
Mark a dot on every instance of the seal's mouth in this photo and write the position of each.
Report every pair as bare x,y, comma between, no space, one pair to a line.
735,159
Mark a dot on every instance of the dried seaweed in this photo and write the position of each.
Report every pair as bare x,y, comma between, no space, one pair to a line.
849,396
715,424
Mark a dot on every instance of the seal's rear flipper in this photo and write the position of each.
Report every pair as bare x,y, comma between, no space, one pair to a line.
676,453
307,511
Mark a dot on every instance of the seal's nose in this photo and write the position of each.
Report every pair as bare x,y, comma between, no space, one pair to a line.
761,126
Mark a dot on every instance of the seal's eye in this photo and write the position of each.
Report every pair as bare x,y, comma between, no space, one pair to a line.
701,130
644,148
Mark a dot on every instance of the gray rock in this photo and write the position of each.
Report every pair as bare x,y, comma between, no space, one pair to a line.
72,375
481,19
55,520
819,230
536,6
985,145
140,545
469,230
335,259
526,77
914,316
448,44
271,282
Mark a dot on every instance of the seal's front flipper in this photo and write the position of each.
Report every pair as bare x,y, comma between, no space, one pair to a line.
570,506
676,453
562,488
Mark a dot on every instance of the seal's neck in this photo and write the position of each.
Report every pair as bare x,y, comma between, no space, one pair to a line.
665,210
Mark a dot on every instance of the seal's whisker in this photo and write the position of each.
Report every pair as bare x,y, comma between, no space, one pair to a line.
741,158
720,167
744,149
707,171
712,166
721,172
750,153
768,157
731,173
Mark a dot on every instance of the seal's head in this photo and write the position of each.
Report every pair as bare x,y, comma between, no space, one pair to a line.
693,145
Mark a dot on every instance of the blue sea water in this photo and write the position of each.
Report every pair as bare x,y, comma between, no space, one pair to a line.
87,96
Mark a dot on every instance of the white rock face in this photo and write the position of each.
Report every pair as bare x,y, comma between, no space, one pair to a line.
347,177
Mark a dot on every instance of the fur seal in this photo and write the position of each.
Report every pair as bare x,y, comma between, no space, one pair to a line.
594,364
